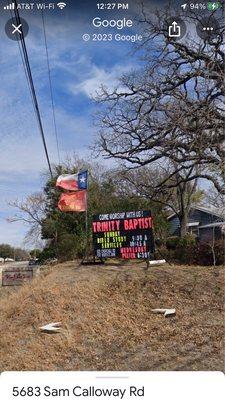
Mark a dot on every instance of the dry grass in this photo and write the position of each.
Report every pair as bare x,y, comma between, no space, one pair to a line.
107,320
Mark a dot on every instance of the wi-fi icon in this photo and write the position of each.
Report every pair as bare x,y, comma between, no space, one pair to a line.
61,5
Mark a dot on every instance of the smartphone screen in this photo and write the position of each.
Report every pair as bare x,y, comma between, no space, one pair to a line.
112,185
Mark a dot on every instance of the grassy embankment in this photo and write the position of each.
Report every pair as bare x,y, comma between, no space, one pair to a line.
108,323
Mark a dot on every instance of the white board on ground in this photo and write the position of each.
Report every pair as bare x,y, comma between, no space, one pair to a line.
157,262
165,311
53,327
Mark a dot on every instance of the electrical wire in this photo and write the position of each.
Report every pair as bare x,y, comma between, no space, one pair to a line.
24,66
29,76
50,85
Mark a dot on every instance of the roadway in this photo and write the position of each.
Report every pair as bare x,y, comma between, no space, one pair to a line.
14,264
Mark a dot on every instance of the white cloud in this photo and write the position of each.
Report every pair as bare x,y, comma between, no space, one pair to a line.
97,77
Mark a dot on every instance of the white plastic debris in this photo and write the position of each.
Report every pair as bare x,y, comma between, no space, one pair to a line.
53,327
165,311
157,262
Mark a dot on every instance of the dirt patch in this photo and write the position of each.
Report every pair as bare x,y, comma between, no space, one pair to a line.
108,323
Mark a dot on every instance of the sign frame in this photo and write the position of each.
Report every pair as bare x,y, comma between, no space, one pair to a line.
124,235
17,281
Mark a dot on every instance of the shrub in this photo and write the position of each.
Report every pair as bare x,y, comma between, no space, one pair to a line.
162,252
187,251
181,249
172,242
204,253
47,253
187,240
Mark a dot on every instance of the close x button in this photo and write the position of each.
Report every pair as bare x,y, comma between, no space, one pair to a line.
15,30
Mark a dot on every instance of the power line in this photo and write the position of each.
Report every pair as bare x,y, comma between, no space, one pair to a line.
50,86
27,78
26,64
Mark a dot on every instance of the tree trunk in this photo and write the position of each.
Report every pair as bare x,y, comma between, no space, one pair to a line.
183,224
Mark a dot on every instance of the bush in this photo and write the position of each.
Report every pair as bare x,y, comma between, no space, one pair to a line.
187,240
172,242
181,249
187,251
47,253
204,253
162,252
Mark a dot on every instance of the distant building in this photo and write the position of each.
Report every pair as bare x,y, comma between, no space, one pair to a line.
203,222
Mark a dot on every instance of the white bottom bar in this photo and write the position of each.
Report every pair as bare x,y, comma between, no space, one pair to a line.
112,385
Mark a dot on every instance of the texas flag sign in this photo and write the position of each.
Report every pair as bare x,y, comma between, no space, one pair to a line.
73,181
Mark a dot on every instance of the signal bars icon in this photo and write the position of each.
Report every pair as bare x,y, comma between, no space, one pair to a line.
10,7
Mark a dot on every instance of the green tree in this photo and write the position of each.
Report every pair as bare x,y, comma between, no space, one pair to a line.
6,251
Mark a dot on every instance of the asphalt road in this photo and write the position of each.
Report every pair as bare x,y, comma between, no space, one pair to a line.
15,264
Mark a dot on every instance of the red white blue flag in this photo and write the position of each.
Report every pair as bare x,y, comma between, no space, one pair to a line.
73,181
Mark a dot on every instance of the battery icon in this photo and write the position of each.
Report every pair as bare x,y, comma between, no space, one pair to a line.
214,6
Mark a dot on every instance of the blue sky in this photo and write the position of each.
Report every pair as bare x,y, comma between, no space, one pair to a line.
77,69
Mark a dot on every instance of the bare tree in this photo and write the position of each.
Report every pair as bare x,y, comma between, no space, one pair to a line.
216,199
171,110
146,182
31,211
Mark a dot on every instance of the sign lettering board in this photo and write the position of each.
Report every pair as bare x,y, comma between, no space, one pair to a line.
16,276
126,235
